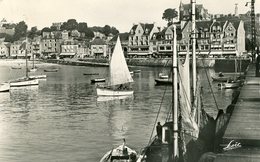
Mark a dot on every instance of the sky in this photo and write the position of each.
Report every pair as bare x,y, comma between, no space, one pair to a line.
121,14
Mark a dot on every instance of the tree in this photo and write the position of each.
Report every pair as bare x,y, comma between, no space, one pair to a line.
70,25
46,29
89,33
33,32
114,31
53,28
169,14
107,30
20,30
82,27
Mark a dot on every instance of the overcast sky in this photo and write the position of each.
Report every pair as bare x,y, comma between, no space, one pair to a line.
118,13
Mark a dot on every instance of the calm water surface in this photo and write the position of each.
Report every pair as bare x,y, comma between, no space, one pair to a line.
63,120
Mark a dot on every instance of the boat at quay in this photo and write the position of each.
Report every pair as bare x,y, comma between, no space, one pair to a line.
65,106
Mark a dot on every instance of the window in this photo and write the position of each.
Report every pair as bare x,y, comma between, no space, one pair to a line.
162,48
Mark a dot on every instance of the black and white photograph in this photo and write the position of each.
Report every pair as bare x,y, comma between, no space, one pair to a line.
129,81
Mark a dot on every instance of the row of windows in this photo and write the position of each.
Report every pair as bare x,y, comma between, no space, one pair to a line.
137,38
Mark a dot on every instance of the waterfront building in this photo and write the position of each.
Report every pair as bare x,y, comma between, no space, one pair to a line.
203,37
139,40
124,43
234,38
99,48
18,49
4,49
68,49
50,44
83,50
185,12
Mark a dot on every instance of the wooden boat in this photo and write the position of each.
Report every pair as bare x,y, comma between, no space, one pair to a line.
26,81
162,81
38,76
221,79
90,73
96,80
119,76
120,154
229,85
4,87
50,70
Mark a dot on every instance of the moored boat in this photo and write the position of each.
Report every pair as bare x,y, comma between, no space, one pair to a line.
163,81
38,76
119,76
96,80
120,154
4,87
24,82
50,70
221,79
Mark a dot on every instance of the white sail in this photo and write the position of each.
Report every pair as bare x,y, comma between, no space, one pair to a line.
186,108
119,72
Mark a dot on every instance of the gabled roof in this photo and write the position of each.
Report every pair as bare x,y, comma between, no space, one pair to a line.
148,27
123,37
134,27
203,24
98,41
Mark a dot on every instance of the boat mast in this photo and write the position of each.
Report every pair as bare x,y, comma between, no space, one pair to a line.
193,37
26,62
175,96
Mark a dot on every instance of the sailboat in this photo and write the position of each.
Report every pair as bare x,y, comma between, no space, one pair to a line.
119,79
25,81
190,131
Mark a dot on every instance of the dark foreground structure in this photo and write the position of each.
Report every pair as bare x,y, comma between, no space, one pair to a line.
241,138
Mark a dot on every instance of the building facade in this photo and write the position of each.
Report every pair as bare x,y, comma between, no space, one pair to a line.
139,40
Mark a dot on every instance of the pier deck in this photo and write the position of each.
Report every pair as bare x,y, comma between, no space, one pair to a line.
244,124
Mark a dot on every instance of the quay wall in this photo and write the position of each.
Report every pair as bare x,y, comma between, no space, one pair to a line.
224,65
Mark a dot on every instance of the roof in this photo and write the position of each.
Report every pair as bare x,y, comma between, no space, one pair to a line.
203,24
133,27
98,41
148,27
123,37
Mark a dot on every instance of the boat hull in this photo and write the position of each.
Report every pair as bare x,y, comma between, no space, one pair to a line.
50,70
24,82
221,79
229,85
110,92
119,155
98,80
160,81
4,87
38,76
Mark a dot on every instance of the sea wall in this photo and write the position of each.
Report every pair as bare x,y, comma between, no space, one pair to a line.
225,65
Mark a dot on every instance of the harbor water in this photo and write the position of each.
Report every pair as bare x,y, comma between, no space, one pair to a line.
62,119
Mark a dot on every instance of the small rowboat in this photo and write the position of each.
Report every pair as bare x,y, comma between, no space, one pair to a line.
120,154
98,80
